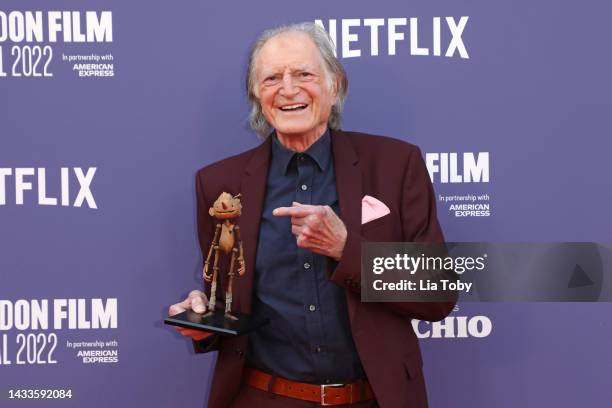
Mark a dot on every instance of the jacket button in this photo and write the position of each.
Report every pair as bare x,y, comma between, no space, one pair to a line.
239,352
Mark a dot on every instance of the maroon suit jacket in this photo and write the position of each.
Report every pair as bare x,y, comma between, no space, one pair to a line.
391,170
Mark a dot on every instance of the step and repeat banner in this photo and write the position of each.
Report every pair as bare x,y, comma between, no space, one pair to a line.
108,108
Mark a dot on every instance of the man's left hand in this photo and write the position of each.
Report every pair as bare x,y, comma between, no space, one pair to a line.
316,228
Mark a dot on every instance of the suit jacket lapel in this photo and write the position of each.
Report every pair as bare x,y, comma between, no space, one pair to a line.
349,188
253,189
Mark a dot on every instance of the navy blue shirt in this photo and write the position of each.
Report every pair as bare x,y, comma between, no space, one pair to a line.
309,337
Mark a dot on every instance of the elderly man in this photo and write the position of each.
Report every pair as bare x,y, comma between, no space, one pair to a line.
302,191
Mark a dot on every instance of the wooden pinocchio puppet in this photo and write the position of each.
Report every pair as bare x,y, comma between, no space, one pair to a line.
227,239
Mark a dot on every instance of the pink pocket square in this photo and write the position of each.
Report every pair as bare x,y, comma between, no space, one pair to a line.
372,208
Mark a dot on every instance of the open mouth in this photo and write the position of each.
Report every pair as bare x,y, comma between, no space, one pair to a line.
294,107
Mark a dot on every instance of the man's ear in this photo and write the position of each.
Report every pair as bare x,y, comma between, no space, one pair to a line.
335,88
255,86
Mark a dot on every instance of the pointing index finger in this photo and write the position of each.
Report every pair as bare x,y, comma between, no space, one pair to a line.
291,211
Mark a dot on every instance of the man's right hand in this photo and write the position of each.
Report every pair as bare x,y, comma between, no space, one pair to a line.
198,302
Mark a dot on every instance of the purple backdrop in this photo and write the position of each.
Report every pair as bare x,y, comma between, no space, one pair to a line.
533,97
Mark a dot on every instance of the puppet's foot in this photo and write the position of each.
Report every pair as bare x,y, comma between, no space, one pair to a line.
230,316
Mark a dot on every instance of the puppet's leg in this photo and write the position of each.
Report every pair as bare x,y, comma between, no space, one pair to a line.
207,277
213,285
241,265
228,294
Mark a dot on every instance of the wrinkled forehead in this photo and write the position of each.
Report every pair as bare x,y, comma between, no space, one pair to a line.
293,50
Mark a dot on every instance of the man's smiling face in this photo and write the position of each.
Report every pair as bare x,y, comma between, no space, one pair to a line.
292,86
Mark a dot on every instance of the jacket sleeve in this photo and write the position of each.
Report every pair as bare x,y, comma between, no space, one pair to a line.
419,224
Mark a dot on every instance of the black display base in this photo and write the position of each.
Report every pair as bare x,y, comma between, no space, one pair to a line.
217,322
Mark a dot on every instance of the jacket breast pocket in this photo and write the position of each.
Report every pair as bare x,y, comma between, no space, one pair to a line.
380,229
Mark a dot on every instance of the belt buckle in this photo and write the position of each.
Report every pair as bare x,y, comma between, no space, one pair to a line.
327,404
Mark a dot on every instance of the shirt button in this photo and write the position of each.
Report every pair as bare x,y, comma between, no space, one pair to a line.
304,187
312,308
306,265
319,349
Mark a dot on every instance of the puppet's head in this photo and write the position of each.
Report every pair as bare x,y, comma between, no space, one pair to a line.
226,207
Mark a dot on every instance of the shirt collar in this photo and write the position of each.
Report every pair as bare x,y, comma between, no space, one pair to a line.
320,152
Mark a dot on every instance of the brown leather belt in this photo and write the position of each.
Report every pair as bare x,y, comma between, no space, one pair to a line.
325,394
